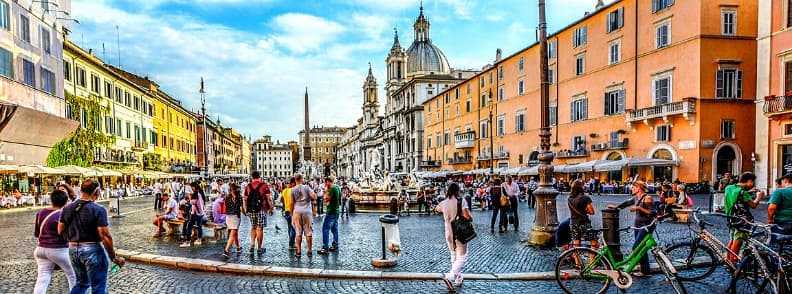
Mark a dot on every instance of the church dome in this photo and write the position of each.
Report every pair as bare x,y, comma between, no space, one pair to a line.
423,57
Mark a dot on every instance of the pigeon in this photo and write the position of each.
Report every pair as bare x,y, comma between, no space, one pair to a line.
277,228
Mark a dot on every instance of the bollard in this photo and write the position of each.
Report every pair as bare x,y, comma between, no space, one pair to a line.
610,220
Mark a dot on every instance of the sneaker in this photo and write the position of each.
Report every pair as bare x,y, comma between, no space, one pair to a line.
239,250
323,251
185,244
334,249
310,254
197,242
252,249
449,285
261,250
225,254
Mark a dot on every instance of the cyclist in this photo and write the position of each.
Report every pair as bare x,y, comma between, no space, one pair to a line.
644,208
738,203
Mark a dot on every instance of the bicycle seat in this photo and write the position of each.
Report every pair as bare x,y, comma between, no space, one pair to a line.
782,238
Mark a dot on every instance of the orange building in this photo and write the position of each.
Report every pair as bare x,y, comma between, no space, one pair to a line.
774,87
668,80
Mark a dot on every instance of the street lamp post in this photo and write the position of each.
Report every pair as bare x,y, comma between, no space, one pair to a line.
546,217
492,137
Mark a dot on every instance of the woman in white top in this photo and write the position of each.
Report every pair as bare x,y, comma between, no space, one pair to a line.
458,250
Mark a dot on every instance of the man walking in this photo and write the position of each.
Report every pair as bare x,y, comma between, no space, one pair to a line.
738,203
286,200
513,190
84,224
498,208
258,202
158,194
333,199
320,196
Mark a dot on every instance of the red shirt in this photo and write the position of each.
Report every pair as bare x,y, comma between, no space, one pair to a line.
264,191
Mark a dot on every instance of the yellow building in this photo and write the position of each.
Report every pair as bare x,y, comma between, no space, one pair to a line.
174,128
127,110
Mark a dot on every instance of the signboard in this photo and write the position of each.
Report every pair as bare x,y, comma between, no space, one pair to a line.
707,143
684,145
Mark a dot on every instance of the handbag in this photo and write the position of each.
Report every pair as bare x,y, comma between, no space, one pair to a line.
462,228
504,198
222,208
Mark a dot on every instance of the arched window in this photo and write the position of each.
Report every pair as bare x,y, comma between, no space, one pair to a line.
663,154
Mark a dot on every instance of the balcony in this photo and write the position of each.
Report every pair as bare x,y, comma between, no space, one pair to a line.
572,154
459,160
684,108
431,163
496,156
140,146
465,140
775,105
115,156
611,145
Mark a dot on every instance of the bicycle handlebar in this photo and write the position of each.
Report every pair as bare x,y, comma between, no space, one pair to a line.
646,227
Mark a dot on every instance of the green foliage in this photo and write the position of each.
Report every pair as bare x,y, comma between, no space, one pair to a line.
152,161
78,149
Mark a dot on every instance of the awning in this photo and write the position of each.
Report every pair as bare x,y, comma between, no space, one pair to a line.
77,170
512,171
29,134
7,169
585,167
633,162
40,170
103,172
529,171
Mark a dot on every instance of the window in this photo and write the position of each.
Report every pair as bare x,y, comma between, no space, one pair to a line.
483,100
80,76
28,73
658,5
521,64
521,87
4,15
67,73
46,43
490,78
24,28
580,64
551,75
614,52
501,125
108,89
483,129
728,83
429,142
553,115
662,35
456,109
787,77
579,39
551,50
481,81
467,106
437,139
728,22
616,19
727,129
47,81
662,91
579,109
578,143
118,128
446,98
614,102
789,13
519,122
500,94
500,73
95,83
456,94
468,88
447,137
663,133
129,130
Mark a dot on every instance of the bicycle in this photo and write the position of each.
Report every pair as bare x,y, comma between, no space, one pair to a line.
761,269
583,269
695,260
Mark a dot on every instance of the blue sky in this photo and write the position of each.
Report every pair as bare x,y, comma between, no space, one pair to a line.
257,56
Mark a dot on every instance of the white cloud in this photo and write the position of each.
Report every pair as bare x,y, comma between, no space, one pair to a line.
302,32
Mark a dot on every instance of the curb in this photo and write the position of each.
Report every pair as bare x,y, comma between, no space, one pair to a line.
235,268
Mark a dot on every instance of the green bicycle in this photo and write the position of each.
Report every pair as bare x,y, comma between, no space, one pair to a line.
584,270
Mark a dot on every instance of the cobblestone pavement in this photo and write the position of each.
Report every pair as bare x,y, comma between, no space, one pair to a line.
489,253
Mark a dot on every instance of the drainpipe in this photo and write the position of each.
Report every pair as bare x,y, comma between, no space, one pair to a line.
635,71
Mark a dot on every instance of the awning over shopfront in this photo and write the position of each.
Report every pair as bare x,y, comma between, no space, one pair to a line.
585,167
103,172
77,171
28,134
632,162
529,171
40,170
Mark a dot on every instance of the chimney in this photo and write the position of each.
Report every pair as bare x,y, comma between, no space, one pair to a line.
498,54
599,5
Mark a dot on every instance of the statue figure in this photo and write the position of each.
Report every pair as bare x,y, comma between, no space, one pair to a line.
386,182
374,159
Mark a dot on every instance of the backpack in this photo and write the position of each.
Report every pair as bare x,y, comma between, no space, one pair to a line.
185,208
740,210
255,199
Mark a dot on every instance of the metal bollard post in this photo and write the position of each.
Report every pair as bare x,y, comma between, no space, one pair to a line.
610,220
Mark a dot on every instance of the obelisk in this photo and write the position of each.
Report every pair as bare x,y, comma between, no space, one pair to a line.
307,144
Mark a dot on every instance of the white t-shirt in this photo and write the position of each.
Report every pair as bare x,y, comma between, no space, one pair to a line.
449,210
224,189
174,205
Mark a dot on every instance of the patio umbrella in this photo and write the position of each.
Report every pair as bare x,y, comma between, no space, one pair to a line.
587,166
633,162
77,170
529,171
40,170
103,172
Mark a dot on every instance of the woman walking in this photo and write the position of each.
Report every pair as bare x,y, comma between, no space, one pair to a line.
196,214
69,192
580,208
233,213
52,249
458,250
643,206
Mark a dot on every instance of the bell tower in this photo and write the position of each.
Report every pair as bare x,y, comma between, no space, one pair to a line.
397,65
370,100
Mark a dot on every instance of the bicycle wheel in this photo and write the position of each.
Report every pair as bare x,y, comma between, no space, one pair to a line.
571,275
748,278
666,268
692,264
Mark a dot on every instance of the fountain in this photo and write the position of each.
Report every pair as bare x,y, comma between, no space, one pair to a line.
376,188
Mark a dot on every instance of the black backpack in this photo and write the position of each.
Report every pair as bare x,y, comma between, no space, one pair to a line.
254,199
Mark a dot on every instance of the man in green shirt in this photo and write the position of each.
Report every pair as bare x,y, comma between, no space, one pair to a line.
740,192
779,211
332,196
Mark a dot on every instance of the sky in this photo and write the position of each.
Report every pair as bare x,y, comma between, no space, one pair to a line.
258,56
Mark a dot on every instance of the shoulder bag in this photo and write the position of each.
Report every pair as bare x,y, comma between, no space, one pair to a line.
504,197
462,227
